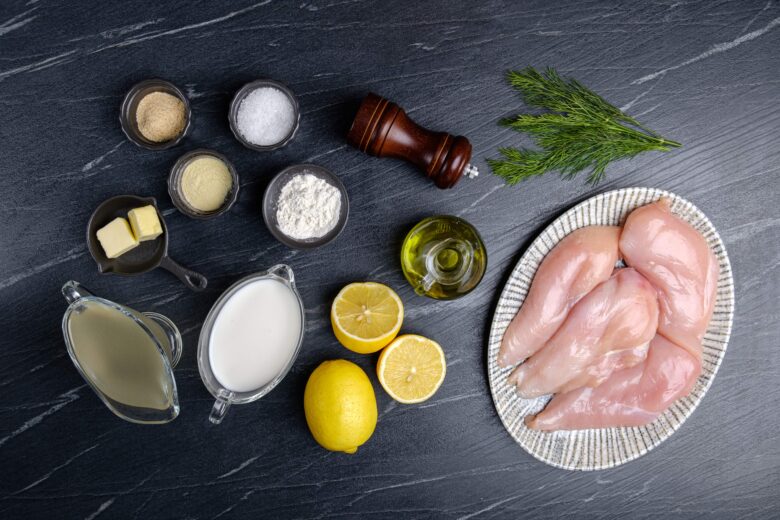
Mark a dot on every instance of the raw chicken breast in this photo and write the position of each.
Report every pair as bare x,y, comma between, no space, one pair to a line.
582,260
676,259
631,397
607,330
604,366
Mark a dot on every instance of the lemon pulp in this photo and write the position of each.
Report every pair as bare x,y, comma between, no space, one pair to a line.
366,316
412,368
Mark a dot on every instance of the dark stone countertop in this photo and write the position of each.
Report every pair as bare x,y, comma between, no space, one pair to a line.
704,73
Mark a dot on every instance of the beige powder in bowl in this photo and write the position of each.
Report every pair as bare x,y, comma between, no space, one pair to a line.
160,117
205,183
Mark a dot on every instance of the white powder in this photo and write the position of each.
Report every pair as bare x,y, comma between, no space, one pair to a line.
308,207
265,116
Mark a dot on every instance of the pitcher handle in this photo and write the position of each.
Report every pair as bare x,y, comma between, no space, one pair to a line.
173,334
220,408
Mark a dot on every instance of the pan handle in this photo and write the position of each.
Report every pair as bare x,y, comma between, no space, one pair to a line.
193,280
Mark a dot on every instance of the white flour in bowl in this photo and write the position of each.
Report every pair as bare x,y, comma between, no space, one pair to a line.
308,207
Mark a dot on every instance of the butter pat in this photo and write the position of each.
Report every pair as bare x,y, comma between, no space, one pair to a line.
116,237
145,223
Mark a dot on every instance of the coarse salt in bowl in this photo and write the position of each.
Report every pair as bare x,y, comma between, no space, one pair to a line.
264,115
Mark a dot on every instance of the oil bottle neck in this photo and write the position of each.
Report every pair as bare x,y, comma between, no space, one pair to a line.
448,262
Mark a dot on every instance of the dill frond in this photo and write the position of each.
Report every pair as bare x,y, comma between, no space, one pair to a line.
581,130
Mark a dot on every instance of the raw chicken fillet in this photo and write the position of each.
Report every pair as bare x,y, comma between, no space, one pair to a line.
631,397
606,330
676,259
582,260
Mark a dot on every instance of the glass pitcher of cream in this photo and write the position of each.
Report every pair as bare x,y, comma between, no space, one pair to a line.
126,356
250,338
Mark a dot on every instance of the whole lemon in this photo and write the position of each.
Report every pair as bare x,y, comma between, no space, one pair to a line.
340,406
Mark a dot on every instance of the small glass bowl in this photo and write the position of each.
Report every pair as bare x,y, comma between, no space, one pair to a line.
242,93
271,202
130,105
174,185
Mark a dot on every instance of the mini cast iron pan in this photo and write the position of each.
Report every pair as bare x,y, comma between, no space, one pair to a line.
147,256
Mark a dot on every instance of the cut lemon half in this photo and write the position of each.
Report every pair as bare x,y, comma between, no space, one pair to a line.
411,368
366,316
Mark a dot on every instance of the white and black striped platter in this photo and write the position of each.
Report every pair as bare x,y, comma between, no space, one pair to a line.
608,447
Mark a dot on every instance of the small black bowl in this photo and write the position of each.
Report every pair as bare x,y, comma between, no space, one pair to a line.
271,199
247,89
174,179
130,105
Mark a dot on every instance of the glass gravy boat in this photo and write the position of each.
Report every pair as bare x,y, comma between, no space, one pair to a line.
126,356
224,396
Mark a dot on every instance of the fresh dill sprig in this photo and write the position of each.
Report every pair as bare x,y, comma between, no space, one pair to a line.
580,131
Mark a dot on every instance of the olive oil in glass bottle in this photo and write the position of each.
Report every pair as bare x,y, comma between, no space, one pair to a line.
443,257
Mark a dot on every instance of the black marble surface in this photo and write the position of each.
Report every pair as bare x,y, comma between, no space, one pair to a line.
704,73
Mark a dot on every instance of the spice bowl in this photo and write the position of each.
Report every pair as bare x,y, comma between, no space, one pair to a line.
241,96
178,195
271,205
127,114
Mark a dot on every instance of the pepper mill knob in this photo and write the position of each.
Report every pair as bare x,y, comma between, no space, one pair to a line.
382,128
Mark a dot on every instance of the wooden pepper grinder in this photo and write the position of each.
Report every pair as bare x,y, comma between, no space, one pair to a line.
382,128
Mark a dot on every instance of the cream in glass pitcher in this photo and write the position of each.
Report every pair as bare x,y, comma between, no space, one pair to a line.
250,338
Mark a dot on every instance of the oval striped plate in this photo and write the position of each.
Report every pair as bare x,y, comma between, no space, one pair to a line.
608,447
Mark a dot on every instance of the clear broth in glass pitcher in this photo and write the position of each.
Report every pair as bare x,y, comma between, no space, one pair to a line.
126,356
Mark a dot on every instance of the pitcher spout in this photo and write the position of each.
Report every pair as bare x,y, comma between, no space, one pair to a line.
73,291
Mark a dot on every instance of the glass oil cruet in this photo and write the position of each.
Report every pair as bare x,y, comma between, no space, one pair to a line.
126,356
443,257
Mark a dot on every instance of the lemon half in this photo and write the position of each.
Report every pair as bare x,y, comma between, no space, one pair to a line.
411,368
366,316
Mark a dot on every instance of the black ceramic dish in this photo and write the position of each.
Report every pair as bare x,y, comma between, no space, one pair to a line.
147,256
271,199
242,93
130,105
174,185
